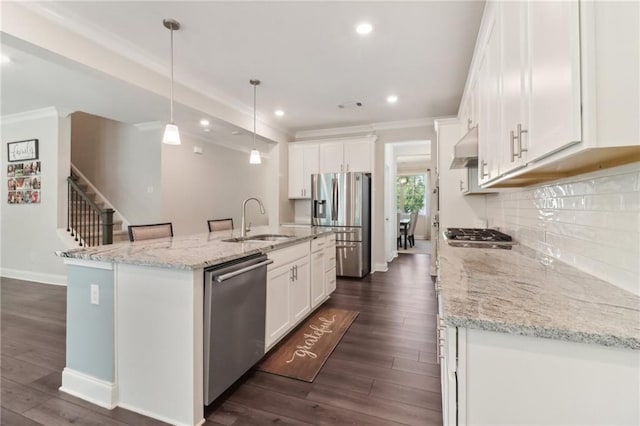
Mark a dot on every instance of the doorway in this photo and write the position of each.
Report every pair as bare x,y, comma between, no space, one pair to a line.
407,190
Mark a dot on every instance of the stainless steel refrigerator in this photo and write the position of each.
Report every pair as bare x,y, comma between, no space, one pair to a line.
342,201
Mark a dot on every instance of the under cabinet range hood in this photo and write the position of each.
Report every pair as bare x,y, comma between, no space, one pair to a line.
465,152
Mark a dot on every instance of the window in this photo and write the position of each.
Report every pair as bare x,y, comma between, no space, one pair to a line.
411,194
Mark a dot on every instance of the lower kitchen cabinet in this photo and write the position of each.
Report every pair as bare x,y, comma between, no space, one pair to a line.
318,261
288,291
499,378
300,290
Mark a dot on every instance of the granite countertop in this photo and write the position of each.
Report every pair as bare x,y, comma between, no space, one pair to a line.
520,291
192,251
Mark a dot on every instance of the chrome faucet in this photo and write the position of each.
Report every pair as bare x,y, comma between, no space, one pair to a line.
243,229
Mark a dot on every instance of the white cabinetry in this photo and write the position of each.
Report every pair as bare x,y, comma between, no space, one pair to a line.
330,264
554,44
489,92
501,378
303,162
323,268
288,291
558,89
318,260
514,102
347,156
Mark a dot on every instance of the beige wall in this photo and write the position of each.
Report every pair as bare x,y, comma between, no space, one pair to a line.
29,231
122,161
212,185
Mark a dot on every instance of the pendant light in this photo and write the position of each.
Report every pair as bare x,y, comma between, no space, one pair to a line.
171,133
254,158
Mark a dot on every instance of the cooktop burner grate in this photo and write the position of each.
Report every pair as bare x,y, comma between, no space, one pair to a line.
478,237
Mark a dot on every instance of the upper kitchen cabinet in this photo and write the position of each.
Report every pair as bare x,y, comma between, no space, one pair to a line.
554,51
515,85
489,93
558,89
303,162
353,155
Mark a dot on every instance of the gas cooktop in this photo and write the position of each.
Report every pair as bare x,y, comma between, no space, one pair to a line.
478,237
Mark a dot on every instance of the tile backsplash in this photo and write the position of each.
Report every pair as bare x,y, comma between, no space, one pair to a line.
590,221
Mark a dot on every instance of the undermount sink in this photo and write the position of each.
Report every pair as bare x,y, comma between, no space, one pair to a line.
261,237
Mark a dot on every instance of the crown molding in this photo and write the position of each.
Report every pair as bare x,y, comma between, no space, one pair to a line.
32,115
365,129
404,124
124,48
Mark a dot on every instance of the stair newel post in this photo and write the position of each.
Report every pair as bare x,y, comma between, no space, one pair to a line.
107,226
68,207
74,216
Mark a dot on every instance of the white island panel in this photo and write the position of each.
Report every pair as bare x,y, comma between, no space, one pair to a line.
159,326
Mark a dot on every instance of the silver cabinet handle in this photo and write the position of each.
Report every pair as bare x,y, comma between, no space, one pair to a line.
291,274
342,167
461,184
520,148
512,143
483,164
225,277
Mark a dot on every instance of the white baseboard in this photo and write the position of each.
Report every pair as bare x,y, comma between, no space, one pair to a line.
37,277
381,267
157,417
89,388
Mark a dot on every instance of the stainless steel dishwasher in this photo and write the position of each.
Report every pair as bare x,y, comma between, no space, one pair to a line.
234,321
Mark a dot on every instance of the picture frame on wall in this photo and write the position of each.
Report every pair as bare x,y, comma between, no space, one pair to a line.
22,150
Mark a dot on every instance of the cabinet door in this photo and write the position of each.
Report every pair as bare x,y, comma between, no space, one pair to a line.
554,45
317,278
515,87
300,290
489,126
296,161
331,157
330,281
310,166
357,156
278,303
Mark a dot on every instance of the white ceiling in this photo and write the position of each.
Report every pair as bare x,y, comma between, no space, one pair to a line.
307,55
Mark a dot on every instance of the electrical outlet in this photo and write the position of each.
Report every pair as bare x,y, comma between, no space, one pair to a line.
95,294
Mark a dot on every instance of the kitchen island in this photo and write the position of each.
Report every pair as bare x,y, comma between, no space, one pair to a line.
135,315
526,339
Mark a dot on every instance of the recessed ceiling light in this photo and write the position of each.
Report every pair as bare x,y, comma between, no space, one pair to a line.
392,99
204,122
5,59
364,28
279,112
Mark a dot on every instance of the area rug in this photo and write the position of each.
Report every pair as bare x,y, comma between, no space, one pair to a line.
302,354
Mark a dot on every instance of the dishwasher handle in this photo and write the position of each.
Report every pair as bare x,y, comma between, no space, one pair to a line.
225,277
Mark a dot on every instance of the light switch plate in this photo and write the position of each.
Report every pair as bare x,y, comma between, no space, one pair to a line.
95,294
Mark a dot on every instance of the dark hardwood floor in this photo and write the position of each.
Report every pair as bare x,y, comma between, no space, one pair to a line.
383,372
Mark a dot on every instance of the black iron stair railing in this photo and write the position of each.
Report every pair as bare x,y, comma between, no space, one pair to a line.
87,222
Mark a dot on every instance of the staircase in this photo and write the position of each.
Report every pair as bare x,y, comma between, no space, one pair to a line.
91,221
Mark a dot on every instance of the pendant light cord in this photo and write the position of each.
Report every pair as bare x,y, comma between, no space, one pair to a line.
254,115
172,75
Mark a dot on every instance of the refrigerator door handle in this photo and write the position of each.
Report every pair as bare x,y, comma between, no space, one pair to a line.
334,204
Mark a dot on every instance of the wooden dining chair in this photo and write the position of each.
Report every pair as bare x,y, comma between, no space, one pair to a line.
220,224
148,232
